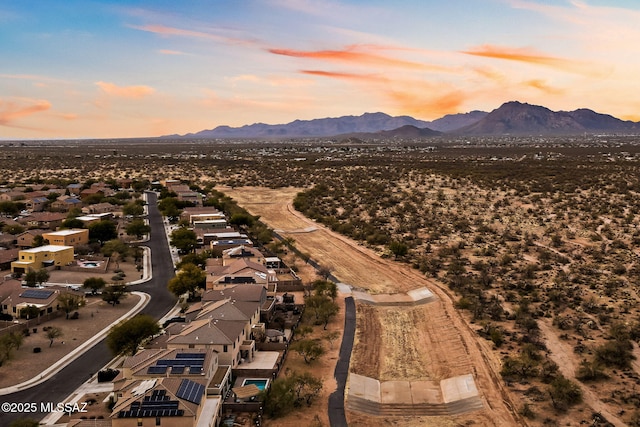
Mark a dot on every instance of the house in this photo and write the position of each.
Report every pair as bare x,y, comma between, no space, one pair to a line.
45,299
202,212
36,204
99,208
66,203
74,237
222,244
7,256
241,270
11,196
74,188
49,220
242,252
241,295
42,256
163,401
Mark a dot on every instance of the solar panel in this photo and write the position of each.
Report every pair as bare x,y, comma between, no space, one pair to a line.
157,370
190,356
190,391
36,293
177,369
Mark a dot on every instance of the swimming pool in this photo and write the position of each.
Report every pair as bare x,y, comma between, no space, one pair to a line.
260,383
89,264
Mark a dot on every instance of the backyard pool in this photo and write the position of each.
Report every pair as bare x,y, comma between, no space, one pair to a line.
89,264
260,383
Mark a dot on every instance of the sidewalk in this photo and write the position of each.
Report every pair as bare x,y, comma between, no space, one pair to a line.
58,366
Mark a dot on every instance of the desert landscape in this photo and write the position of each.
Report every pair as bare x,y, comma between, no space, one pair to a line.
529,246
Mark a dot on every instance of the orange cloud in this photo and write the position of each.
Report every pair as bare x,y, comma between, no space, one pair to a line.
542,86
346,76
134,92
426,104
11,110
531,56
352,55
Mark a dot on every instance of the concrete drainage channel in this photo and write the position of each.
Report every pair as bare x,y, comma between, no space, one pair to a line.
451,396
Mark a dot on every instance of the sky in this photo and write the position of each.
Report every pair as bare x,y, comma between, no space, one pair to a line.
74,69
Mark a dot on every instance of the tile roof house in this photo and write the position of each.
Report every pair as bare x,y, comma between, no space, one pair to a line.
240,271
162,401
50,220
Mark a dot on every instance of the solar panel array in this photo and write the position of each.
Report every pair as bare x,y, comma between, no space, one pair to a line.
190,391
157,370
193,361
36,294
194,356
157,405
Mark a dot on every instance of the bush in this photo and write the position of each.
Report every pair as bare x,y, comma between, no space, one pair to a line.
107,375
37,349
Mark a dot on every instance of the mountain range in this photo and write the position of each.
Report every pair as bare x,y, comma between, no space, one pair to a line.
511,118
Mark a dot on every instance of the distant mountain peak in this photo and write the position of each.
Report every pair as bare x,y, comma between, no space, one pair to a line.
517,118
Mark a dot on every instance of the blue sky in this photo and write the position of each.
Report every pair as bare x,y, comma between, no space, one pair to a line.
109,69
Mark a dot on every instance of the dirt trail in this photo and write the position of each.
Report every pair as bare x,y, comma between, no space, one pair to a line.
453,348
562,354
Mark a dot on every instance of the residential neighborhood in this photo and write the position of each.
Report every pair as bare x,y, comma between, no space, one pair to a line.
212,361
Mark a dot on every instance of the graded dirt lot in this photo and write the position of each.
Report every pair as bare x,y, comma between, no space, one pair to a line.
425,342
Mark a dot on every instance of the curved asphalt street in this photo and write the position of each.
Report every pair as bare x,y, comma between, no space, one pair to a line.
65,382
337,417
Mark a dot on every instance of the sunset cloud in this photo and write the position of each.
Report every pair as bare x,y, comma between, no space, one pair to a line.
132,92
346,76
352,55
13,110
542,86
531,56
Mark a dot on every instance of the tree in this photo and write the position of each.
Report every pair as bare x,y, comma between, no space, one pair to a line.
137,228
103,231
30,277
325,287
169,208
13,229
331,337
114,293
53,333
126,337
322,307
184,240
8,343
72,223
8,208
94,284
69,303
38,241
564,393
188,280
280,399
398,249
30,312
42,275
115,246
309,349
133,209
290,392
242,219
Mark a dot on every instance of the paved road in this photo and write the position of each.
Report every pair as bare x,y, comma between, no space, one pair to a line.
75,374
337,417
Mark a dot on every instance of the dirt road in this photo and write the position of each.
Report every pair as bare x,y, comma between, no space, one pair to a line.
401,336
